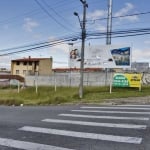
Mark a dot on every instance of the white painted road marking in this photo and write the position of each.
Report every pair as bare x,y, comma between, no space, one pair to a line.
134,105
121,112
112,125
129,108
104,117
28,145
104,137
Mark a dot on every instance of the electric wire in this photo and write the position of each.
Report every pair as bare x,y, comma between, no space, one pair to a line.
47,12
96,35
60,16
121,16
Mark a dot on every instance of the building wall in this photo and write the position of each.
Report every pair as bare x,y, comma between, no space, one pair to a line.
45,66
40,67
23,69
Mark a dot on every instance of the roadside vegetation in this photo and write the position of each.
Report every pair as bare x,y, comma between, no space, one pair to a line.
62,95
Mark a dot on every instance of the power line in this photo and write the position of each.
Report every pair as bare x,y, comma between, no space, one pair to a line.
57,13
25,48
34,48
122,16
68,37
90,35
51,15
123,33
118,36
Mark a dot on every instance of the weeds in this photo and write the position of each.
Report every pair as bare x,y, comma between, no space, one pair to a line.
48,95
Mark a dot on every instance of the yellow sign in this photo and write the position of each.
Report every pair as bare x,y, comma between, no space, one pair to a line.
127,80
134,79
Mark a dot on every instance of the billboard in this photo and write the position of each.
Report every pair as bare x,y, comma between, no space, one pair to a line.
102,56
127,80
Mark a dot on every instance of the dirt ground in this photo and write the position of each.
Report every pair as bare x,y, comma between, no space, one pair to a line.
130,100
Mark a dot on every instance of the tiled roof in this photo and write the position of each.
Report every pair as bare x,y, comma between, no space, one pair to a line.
76,69
17,77
28,59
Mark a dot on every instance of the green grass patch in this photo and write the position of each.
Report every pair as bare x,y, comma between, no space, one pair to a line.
48,95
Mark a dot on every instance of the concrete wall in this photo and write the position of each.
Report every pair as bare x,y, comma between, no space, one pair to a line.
69,79
73,79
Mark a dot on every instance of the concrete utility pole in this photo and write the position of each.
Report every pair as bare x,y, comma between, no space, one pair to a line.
109,23
109,30
69,60
82,24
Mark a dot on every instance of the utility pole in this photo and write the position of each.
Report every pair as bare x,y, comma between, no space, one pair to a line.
109,23
82,49
69,60
109,30
83,35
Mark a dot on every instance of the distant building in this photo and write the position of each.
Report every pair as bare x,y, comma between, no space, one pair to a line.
140,66
31,66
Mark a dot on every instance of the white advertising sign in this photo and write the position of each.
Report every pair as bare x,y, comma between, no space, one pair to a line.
102,56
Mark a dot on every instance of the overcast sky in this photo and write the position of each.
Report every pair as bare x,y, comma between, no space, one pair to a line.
25,22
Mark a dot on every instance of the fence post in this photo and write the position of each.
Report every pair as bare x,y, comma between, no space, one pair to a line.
18,86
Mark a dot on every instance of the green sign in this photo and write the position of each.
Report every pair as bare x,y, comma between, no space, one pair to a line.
120,80
126,80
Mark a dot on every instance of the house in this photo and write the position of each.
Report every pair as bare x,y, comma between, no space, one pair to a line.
31,66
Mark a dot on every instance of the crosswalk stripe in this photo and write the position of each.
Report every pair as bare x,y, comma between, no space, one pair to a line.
116,107
104,117
112,125
28,145
104,137
121,112
134,105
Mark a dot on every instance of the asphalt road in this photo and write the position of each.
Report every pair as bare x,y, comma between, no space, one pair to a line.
75,127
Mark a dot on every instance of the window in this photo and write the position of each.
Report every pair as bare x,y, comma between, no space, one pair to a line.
30,63
37,63
25,63
17,71
24,72
17,63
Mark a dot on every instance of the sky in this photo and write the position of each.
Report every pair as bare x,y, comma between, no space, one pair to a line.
27,22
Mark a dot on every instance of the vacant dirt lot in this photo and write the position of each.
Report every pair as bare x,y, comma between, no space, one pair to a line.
130,100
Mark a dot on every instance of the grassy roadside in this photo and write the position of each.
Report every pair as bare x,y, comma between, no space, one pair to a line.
48,95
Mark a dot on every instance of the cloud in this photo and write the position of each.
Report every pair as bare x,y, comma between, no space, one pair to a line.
147,42
97,14
101,27
5,62
128,7
30,24
62,48
125,11
141,55
52,38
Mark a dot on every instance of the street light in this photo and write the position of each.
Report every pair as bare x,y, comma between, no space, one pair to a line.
82,25
76,14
